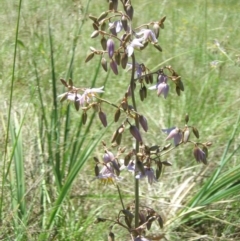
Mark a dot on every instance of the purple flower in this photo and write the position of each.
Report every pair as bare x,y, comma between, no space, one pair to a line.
107,175
149,173
115,27
174,133
147,35
134,44
110,48
108,157
200,155
162,87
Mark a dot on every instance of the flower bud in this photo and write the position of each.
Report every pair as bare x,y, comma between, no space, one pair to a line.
186,135
117,115
124,60
113,66
110,48
84,117
103,118
96,170
64,82
119,138
158,47
195,132
113,5
104,43
89,57
156,29
92,17
95,26
135,133
102,16
104,63
129,11
117,57
124,23
143,122
95,34
76,103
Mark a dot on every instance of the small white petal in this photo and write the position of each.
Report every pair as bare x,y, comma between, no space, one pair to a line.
154,87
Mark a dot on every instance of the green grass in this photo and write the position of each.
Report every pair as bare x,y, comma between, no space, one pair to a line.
47,192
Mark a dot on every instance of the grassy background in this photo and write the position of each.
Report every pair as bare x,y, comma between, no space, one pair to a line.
46,188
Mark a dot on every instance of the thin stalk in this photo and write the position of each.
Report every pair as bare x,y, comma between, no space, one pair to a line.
136,181
9,110
120,196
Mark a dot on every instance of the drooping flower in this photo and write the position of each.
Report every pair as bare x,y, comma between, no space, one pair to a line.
174,133
200,155
149,173
115,27
135,44
162,87
147,35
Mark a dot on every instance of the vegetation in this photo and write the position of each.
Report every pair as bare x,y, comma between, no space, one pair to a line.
47,187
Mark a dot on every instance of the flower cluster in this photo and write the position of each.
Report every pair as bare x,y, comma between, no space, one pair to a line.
120,41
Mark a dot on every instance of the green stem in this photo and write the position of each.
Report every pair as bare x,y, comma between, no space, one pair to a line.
136,181
120,196
4,175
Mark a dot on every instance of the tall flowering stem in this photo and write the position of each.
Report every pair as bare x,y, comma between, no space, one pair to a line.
136,186
120,41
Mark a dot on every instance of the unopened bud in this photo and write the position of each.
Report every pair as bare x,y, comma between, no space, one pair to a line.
124,60
76,103
102,16
195,131
95,34
110,48
84,118
117,57
156,29
135,133
92,17
186,135
117,115
129,11
114,67
104,43
89,57
103,118
124,23
104,63
96,170
143,122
